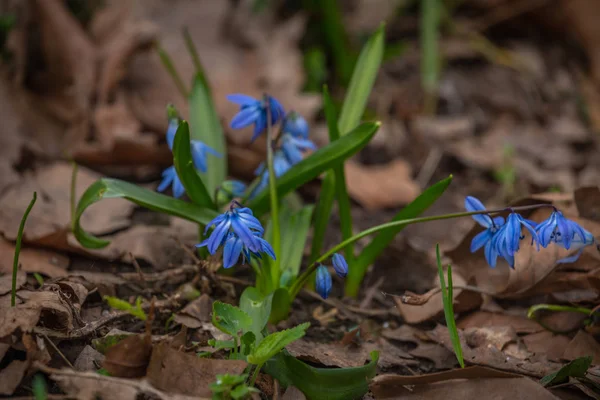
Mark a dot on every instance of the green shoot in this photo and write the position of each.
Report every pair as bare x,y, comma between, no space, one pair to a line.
13,293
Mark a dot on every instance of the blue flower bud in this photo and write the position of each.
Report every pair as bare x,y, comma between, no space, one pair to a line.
323,281
296,125
254,111
340,265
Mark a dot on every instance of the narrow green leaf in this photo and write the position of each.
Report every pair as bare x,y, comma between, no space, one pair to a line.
430,55
13,292
322,215
576,369
448,300
258,307
337,38
383,239
362,81
341,191
107,188
281,305
39,387
318,162
275,342
170,67
230,319
135,310
294,232
323,383
206,127
182,159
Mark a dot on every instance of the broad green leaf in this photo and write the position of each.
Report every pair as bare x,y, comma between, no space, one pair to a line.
448,300
294,232
322,215
230,319
206,127
362,82
182,158
248,342
280,306
275,342
341,191
258,307
576,369
322,383
107,188
315,164
383,239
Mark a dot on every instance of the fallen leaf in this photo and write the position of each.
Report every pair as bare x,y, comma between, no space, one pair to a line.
586,200
11,376
130,357
6,281
488,336
88,359
21,317
520,324
441,357
44,262
195,313
178,372
381,186
583,344
293,393
56,312
547,344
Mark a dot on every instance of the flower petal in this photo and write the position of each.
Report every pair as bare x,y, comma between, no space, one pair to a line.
232,251
245,117
474,204
242,99
480,240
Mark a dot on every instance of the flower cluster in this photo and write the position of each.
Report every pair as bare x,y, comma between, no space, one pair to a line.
199,155
293,139
239,233
502,238
323,281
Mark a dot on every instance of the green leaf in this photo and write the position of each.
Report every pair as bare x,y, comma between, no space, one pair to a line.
448,300
248,342
135,310
281,304
221,344
206,127
275,342
341,191
576,369
318,162
13,291
323,383
362,81
230,319
182,158
258,307
430,59
322,215
383,239
107,188
294,232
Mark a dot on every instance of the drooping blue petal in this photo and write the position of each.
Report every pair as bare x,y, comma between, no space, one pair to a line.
199,151
565,230
296,125
323,281
171,131
474,204
232,250
491,255
266,248
480,240
245,234
247,116
260,125
216,237
178,189
293,147
242,99
340,265
170,178
251,222
276,109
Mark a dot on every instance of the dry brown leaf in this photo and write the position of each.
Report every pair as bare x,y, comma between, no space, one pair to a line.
178,372
496,336
130,357
6,279
293,393
88,359
520,324
583,344
21,317
489,356
381,186
91,385
195,313
51,214
45,262
55,311
547,344
10,377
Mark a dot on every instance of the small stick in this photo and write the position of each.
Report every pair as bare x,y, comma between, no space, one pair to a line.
60,353
137,267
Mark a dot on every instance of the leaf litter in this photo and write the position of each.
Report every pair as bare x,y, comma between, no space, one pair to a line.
106,103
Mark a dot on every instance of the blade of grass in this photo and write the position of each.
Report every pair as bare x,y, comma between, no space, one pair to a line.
13,293
447,299
430,62
170,67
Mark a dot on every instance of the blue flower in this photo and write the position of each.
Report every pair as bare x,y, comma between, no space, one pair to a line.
293,147
239,232
199,151
253,111
506,241
483,239
170,177
340,265
295,125
281,165
565,233
171,131
323,281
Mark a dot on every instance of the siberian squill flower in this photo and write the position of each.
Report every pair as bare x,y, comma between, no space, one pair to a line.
506,241
281,165
239,233
253,111
323,281
170,178
484,239
199,149
296,125
565,233
340,265
294,147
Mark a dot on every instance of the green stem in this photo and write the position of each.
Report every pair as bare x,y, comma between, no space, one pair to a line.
13,293
73,194
531,314
276,239
301,280
255,374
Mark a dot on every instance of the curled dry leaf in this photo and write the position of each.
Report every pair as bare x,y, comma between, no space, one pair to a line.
458,384
178,372
381,186
130,357
11,376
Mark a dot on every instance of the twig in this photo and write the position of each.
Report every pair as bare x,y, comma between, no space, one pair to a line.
60,353
137,267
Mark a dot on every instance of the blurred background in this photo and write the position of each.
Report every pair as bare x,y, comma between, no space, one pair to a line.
503,94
